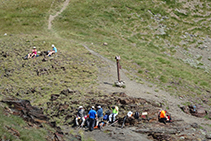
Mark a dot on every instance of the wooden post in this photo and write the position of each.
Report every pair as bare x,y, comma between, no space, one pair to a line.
118,67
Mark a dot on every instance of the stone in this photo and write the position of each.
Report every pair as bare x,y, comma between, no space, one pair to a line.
208,136
200,111
185,109
105,44
195,125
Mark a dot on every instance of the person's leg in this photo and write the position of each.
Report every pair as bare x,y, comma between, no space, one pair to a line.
99,119
97,122
87,122
29,55
83,120
110,117
163,120
51,52
91,124
33,55
114,116
76,121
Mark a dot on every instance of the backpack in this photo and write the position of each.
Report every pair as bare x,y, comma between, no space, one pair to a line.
136,115
105,117
108,112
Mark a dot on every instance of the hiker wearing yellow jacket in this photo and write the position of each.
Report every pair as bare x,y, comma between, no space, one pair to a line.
114,113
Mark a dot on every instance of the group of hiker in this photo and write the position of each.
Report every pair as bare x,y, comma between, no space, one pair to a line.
95,118
34,54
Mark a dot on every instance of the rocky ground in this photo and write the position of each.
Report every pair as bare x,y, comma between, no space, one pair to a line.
134,97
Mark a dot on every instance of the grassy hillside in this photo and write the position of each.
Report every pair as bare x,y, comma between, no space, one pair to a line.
25,24
149,36
165,42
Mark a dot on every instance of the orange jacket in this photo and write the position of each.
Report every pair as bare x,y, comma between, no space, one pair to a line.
162,114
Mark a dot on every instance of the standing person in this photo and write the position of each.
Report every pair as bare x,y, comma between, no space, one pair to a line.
54,50
92,117
114,113
33,54
99,114
80,115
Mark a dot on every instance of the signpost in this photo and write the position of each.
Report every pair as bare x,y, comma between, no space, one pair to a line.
119,83
118,67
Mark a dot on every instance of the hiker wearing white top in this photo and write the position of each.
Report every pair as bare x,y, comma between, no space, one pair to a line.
80,115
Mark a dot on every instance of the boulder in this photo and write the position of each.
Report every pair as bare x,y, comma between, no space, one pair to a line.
185,109
200,111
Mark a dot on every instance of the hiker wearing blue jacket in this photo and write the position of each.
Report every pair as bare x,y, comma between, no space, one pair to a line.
99,114
92,117
52,51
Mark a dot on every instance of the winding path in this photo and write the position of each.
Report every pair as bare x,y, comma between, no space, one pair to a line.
51,17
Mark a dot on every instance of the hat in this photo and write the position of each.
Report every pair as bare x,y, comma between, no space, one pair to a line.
52,45
129,114
93,107
80,107
99,106
34,47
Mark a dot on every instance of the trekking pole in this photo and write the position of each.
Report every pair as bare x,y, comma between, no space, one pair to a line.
123,121
113,123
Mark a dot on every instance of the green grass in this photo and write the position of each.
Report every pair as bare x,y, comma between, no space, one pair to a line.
122,24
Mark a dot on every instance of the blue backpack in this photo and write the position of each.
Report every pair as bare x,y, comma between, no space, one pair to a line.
105,117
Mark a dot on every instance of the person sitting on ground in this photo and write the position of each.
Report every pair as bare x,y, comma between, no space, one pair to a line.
101,124
80,115
114,113
162,117
92,116
52,51
99,114
33,54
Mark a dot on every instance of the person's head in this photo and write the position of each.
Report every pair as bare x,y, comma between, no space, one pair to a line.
99,107
34,47
53,46
80,107
112,107
93,107
129,114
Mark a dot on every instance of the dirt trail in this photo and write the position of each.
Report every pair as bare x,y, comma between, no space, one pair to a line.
108,75
51,17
